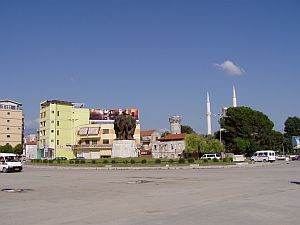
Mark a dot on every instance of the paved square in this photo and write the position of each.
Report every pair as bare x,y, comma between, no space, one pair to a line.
233,196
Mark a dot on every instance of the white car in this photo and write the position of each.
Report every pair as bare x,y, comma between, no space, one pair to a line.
211,156
264,156
10,162
280,157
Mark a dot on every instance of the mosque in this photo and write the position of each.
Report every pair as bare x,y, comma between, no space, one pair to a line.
209,114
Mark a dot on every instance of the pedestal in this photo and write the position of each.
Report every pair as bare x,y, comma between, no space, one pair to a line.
124,149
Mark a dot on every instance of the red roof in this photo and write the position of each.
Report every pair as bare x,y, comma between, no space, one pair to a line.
31,143
174,137
147,132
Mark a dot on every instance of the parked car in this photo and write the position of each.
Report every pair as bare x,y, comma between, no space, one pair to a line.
280,157
294,157
80,158
264,156
60,158
211,156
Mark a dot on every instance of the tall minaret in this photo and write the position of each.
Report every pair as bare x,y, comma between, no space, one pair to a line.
234,104
208,115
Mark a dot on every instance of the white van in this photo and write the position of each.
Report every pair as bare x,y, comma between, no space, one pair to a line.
211,156
264,156
9,162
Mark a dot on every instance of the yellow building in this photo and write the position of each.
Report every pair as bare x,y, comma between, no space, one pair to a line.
11,123
58,122
95,141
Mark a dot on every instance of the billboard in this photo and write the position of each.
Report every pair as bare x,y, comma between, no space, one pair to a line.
296,142
110,114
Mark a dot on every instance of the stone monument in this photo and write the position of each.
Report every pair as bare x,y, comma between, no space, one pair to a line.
124,146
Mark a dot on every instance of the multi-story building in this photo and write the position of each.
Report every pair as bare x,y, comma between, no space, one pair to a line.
58,122
149,138
11,123
96,140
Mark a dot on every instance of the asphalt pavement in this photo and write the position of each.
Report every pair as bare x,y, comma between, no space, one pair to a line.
233,196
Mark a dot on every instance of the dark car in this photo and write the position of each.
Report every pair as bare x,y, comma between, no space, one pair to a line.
60,158
80,158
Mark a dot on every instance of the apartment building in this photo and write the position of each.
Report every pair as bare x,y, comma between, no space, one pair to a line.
58,122
95,140
11,123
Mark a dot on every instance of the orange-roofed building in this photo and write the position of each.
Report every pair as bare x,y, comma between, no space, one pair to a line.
170,147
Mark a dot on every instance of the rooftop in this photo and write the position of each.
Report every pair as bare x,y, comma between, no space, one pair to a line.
174,137
147,132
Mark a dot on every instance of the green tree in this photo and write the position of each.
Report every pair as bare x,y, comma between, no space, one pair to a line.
185,129
6,148
18,149
166,133
291,128
195,143
276,140
214,145
247,130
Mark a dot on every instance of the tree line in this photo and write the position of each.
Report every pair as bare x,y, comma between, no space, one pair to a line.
18,149
244,131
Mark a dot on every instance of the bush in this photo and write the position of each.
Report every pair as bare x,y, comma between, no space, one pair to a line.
45,161
157,161
82,161
76,161
113,161
191,160
181,160
105,161
205,160
171,161
50,161
228,159
125,161
94,161
144,161
71,161
132,161
58,161
215,160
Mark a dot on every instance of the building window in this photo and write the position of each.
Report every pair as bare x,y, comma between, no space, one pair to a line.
53,111
57,113
105,131
105,141
8,121
8,136
57,123
87,142
52,131
94,142
52,121
57,132
8,113
7,128
52,140
57,142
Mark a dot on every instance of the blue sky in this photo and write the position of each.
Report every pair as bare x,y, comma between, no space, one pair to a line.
158,56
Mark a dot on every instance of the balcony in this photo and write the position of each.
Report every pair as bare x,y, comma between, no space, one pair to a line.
92,146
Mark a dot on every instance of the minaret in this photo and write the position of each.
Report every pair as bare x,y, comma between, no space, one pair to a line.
208,115
234,104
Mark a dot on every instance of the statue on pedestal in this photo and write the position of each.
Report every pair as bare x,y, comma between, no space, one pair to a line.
124,126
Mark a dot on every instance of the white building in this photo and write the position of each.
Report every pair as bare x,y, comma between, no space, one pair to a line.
30,150
170,147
